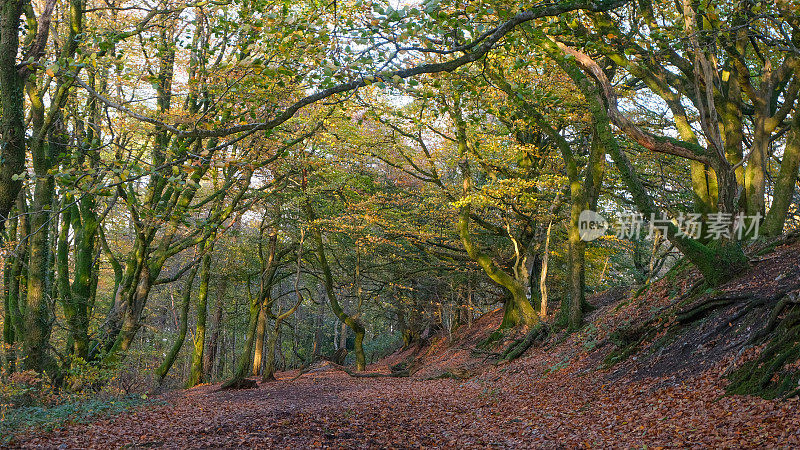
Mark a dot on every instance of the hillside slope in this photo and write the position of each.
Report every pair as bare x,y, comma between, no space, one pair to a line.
675,327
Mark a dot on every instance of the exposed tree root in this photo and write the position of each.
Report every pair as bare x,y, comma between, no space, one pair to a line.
518,347
704,308
303,370
768,374
486,354
493,338
239,383
404,368
774,317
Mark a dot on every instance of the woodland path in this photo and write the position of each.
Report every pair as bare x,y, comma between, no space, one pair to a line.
516,406
317,410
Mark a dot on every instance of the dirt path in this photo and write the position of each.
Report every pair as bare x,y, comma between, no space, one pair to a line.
318,410
516,406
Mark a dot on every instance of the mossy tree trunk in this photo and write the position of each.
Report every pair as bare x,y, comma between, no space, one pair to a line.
519,310
718,260
12,270
76,296
38,314
584,192
268,373
543,274
210,354
47,139
17,285
269,259
261,332
351,322
196,374
275,332
786,181
183,325
12,118
244,358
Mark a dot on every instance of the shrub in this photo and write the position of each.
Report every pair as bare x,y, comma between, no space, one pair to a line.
26,388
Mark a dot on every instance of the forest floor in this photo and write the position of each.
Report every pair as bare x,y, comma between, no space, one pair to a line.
583,389
510,407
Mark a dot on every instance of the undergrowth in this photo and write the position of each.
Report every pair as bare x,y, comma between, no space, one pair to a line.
14,421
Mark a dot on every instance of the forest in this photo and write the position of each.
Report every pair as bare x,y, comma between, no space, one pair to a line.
384,223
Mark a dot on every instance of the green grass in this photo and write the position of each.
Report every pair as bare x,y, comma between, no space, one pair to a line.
17,420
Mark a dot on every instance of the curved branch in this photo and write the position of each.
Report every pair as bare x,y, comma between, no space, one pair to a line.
661,144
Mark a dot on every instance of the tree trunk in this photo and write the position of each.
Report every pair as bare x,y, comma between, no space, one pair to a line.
353,324
261,331
272,341
183,322
12,118
196,373
211,353
222,357
10,289
342,336
519,309
719,260
470,301
38,316
336,335
243,364
785,183
319,322
543,273
17,290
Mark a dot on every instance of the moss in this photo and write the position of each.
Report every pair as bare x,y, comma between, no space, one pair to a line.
492,339
669,337
767,376
628,339
692,296
457,373
618,355
21,420
641,290
622,304
562,322
511,315
519,346
726,260
678,269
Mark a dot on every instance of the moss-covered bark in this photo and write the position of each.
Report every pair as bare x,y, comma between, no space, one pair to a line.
196,375
10,289
38,314
210,355
244,359
584,192
258,351
519,310
183,325
269,362
785,183
718,261
771,375
12,118
351,322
